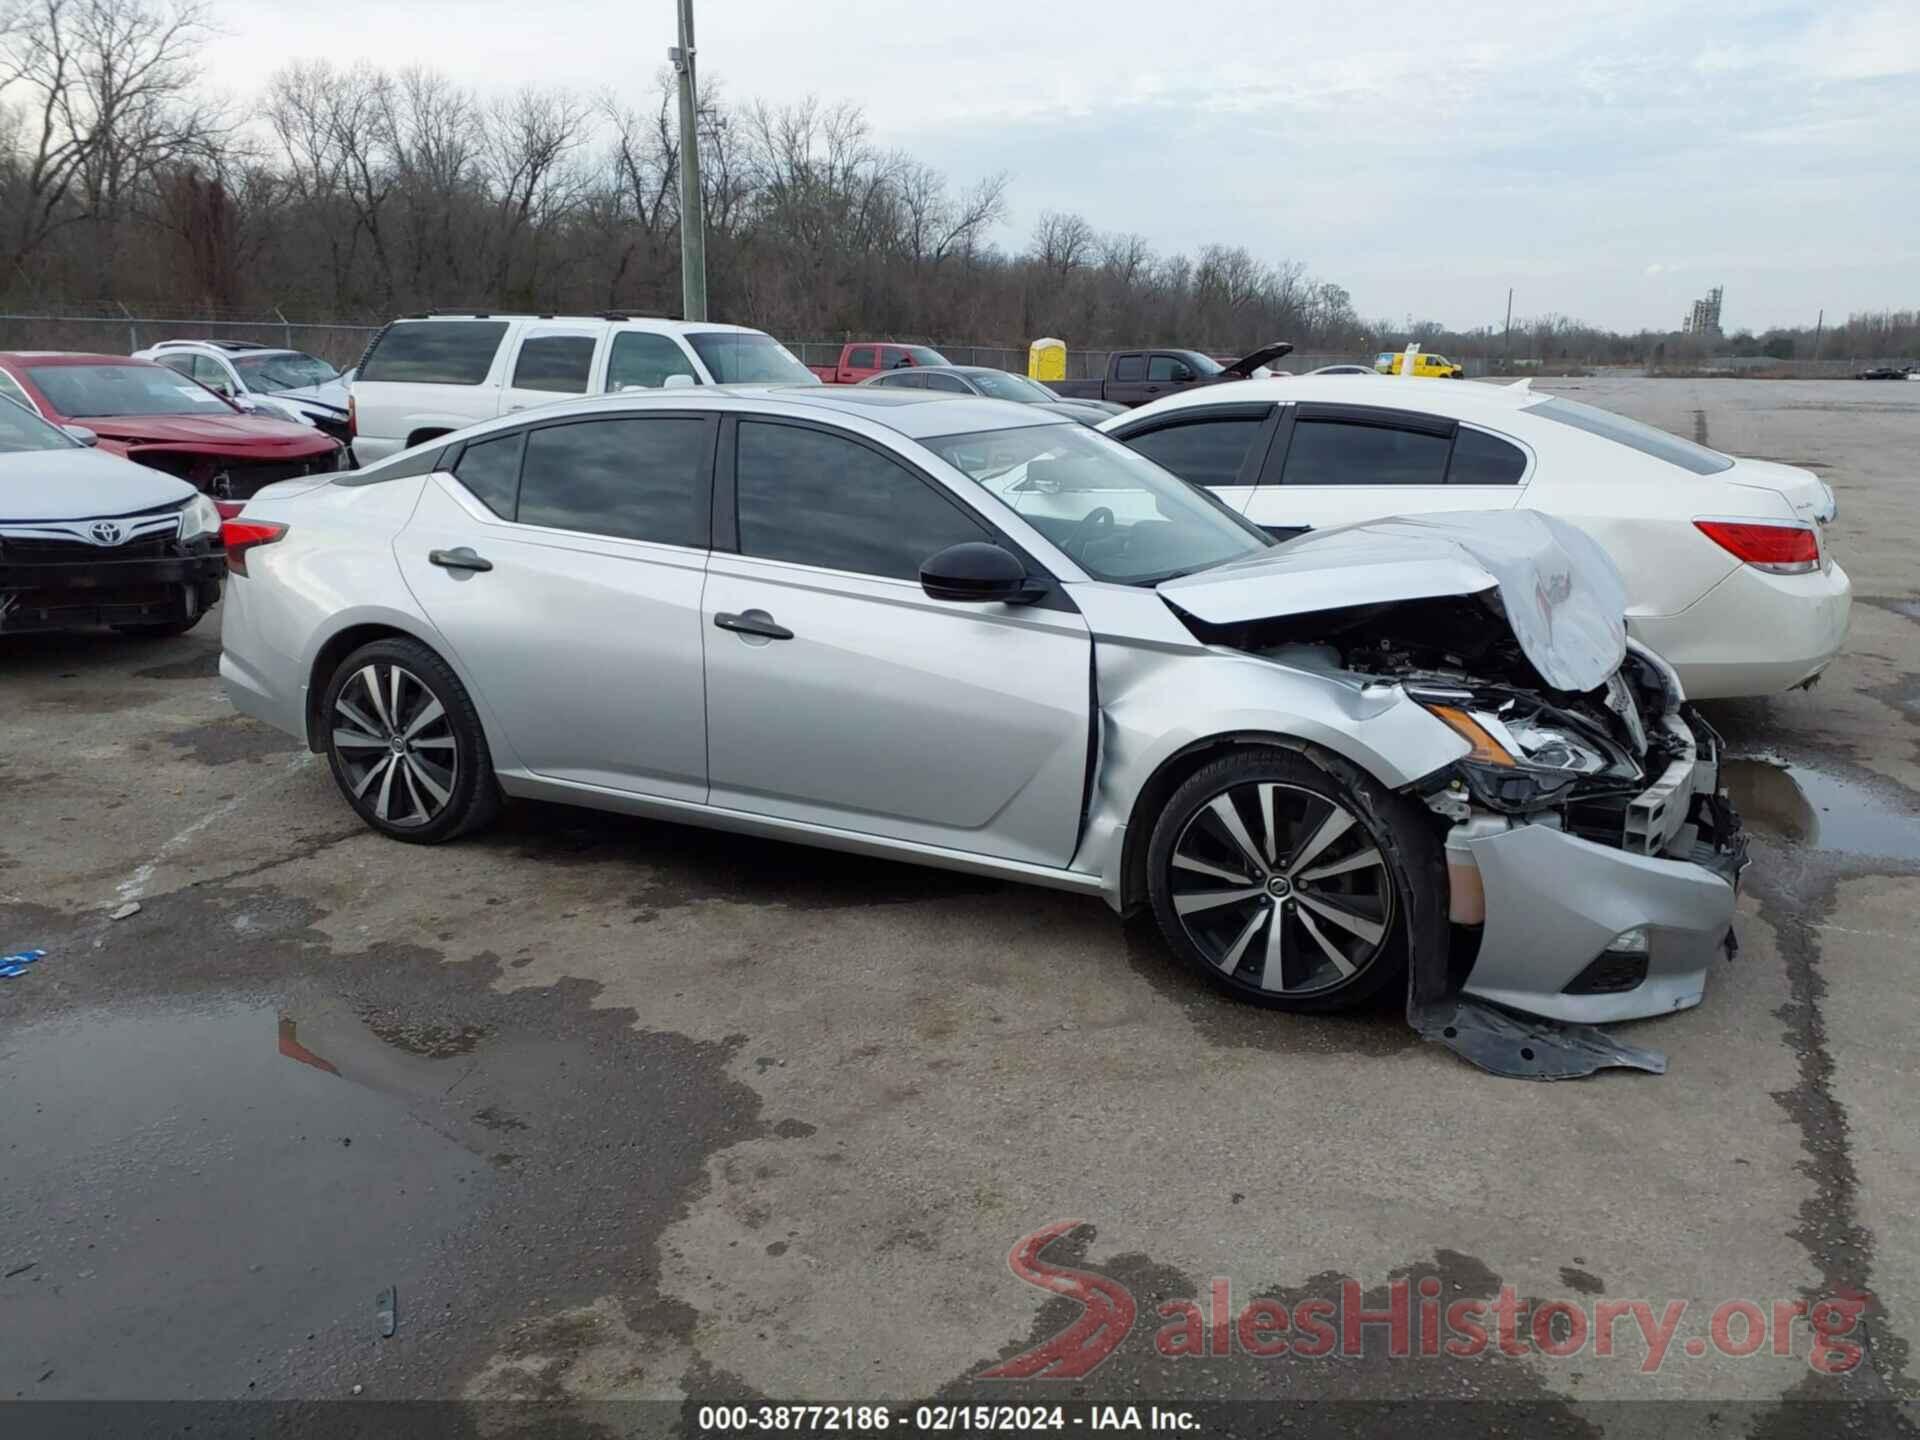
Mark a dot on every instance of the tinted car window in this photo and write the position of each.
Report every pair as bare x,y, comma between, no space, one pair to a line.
645,360
1130,367
1167,367
1206,452
949,383
818,499
554,362
1483,459
10,390
435,352
181,363
640,478
1337,452
491,470
860,359
1631,433
901,380
211,374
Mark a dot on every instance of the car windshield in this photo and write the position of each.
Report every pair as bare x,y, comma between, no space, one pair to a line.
1631,433
287,371
1002,386
21,429
1119,516
91,391
746,357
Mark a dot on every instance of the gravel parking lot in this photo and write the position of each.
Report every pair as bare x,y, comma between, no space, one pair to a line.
619,1109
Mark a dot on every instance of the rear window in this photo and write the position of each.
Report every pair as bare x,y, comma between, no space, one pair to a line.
1635,436
435,352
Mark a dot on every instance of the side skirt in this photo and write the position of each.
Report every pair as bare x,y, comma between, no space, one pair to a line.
741,822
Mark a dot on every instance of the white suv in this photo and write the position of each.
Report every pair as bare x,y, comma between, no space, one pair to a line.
428,375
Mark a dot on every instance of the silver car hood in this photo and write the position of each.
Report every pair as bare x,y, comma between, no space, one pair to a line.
81,484
1557,588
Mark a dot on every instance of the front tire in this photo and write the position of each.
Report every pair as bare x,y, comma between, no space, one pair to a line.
1273,878
405,745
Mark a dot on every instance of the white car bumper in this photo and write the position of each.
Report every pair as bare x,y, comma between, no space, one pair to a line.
1753,633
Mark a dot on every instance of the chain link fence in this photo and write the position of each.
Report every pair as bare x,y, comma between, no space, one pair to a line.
113,328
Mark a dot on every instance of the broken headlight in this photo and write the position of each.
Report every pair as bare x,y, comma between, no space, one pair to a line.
1524,753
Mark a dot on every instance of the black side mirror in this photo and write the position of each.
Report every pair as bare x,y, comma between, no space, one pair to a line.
976,571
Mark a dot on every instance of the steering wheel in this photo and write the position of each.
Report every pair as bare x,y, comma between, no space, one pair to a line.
1094,523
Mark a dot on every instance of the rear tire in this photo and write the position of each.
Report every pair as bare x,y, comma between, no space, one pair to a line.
1265,833
405,744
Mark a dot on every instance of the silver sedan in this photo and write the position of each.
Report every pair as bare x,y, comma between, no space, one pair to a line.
959,632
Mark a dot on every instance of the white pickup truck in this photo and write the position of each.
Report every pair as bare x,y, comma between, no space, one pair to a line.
427,375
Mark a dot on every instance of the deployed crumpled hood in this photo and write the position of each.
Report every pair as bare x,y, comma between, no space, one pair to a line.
329,397
1558,589
81,484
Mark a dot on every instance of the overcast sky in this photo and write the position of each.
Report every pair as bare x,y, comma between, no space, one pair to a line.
1609,161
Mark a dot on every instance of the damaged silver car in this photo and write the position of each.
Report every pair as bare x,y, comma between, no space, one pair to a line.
1413,753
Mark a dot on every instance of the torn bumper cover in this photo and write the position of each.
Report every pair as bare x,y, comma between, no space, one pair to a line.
1579,932
175,582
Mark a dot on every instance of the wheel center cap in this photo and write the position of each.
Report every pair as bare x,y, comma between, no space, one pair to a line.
1279,887
398,745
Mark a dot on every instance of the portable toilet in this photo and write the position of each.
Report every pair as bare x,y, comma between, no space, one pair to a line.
1047,360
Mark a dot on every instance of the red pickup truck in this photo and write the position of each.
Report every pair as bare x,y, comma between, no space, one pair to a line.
1137,377
866,358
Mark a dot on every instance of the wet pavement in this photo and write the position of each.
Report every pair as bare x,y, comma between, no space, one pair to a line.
617,1109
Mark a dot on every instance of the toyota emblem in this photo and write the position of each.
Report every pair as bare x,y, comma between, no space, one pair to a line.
106,532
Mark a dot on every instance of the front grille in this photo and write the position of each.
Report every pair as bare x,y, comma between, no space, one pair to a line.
154,548
243,481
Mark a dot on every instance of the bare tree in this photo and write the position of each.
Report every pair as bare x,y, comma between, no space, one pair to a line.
105,87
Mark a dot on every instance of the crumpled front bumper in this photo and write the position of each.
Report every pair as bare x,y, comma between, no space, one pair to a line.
1555,902
60,594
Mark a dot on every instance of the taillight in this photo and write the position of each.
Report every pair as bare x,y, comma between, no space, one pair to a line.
229,509
353,417
1777,549
240,536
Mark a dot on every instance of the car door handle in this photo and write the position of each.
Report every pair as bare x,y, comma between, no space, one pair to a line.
461,559
753,622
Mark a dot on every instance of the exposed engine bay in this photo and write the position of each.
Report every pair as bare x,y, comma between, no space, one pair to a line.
1610,765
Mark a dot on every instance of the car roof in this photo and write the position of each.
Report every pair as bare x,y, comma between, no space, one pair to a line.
916,414
649,322
1460,399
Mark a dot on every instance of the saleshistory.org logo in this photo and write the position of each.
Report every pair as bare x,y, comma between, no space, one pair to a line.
1412,1321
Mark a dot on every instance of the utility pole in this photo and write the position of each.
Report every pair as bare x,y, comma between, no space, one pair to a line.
1819,326
693,220
1506,345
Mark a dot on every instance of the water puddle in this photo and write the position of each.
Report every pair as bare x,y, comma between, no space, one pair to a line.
1810,807
225,1189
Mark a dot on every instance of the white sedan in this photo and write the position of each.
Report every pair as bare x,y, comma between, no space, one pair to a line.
1726,562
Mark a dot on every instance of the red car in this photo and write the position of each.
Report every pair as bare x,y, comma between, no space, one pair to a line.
159,417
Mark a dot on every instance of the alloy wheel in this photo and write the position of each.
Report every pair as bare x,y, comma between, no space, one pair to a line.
395,743
1281,888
